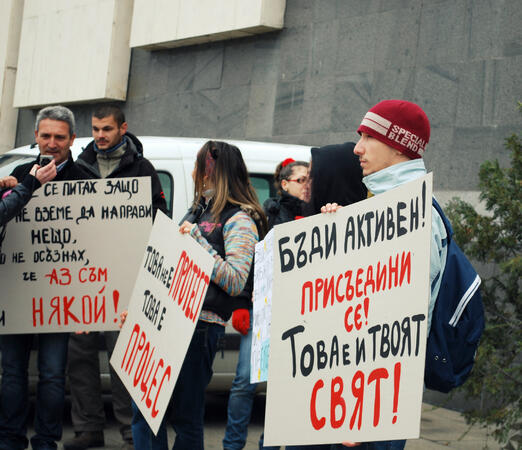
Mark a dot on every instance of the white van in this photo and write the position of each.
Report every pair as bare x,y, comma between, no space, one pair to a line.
174,160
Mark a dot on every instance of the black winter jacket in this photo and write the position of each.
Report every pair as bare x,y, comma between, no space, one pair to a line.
132,164
69,172
216,299
282,209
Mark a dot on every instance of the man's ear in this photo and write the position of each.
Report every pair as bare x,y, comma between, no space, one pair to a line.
123,128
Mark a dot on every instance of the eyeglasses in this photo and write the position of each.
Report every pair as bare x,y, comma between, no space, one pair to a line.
300,180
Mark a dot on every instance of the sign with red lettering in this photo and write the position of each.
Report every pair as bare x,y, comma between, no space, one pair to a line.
67,258
163,311
349,321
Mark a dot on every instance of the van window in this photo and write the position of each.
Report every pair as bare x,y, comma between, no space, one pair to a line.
263,186
9,162
167,184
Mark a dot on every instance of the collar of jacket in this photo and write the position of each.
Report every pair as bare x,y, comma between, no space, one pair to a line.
87,159
393,176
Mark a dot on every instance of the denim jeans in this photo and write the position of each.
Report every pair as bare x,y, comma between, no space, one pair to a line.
241,397
187,405
50,394
83,370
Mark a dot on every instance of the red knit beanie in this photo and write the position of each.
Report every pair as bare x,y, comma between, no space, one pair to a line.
400,124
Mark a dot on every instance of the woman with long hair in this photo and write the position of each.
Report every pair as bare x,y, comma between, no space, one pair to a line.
290,179
227,220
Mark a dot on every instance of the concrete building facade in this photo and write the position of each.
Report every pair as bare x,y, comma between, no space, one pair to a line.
312,81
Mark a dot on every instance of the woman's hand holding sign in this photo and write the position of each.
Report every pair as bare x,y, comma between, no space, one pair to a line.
186,227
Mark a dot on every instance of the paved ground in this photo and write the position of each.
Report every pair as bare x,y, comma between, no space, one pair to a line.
440,429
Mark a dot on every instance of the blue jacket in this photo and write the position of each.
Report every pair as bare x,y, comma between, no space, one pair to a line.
13,203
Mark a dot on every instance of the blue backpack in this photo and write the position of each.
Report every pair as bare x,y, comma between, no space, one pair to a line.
457,321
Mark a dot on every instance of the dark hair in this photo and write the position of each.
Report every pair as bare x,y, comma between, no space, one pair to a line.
108,110
285,172
229,177
335,177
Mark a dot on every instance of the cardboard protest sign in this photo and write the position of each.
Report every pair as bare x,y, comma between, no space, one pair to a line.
166,301
68,261
349,319
263,277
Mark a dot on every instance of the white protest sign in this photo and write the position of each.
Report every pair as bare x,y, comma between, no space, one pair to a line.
166,301
263,277
69,260
349,314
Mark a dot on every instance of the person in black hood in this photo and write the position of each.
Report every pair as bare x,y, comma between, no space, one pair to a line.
113,153
290,179
335,177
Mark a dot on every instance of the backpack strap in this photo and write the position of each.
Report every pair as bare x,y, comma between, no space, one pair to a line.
447,224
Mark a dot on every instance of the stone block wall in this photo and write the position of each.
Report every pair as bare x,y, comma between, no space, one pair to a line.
312,82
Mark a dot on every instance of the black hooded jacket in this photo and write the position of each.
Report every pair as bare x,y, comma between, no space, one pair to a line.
283,209
336,177
132,164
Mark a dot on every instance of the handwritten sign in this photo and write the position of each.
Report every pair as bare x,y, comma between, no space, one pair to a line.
348,332
263,277
69,259
166,301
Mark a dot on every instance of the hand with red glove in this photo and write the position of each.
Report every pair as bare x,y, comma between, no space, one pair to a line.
241,320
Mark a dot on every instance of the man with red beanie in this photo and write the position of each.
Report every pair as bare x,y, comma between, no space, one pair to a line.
394,135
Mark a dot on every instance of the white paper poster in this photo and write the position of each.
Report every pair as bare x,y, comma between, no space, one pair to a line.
68,262
263,278
166,301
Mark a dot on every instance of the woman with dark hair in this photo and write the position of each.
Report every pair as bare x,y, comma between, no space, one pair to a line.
290,179
227,220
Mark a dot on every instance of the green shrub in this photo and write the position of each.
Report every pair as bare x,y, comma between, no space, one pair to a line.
494,240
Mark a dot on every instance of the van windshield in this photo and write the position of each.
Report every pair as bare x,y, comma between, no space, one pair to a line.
9,162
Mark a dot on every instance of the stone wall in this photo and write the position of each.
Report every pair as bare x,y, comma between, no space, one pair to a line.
312,82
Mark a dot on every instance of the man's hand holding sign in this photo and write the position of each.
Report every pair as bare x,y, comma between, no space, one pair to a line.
348,332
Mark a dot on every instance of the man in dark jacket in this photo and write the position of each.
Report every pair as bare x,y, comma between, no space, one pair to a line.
113,153
54,135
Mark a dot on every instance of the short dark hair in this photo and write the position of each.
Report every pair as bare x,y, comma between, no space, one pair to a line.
103,111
